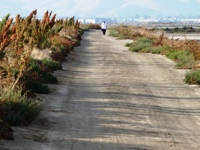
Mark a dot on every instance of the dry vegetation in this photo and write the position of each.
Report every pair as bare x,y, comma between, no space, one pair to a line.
21,75
159,39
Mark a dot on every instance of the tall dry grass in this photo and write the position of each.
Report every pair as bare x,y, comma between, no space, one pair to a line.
160,39
17,41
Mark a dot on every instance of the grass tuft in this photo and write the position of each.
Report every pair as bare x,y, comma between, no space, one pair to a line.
140,44
37,87
115,33
17,108
192,77
51,64
184,59
154,50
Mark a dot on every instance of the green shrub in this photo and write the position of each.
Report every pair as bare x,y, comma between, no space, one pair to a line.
39,66
184,59
192,77
140,44
60,48
47,77
51,64
122,36
144,40
35,66
139,47
37,87
17,108
114,33
129,44
173,54
43,42
83,28
154,50
43,74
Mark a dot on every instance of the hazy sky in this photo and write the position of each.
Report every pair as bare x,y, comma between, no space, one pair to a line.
102,8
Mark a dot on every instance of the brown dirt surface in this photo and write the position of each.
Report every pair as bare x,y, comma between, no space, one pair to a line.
109,98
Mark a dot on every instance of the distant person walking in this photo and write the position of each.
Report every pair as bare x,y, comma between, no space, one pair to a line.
103,27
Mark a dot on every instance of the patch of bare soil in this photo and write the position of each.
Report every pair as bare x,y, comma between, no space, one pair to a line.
109,98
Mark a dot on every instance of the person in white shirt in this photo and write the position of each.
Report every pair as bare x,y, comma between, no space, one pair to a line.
103,27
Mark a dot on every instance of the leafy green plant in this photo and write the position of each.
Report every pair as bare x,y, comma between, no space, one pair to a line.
48,78
144,40
173,54
129,44
154,50
184,59
44,43
140,43
115,33
51,64
42,70
40,75
37,87
17,108
192,77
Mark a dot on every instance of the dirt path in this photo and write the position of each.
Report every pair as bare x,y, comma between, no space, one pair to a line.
112,99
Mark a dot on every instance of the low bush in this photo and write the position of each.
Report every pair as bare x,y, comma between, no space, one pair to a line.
37,87
62,43
51,64
129,44
184,59
173,54
48,78
192,77
155,50
140,44
17,108
115,33
94,26
41,71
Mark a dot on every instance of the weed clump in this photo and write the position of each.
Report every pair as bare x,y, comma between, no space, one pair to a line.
183,59
140,44
192,77
17,108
